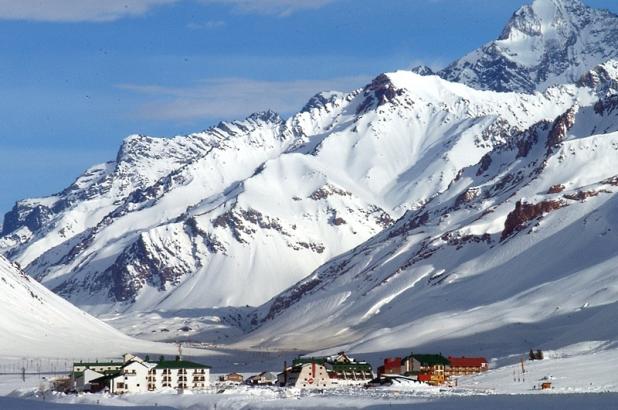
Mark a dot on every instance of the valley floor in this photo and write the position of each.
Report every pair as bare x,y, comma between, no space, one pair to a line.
583,376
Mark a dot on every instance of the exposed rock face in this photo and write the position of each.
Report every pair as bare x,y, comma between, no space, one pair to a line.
524,213
285,300
530,138
141,265
581,195
602,77
556,189
484,164
607,105
381,91
326,191
468,196
33,218
560,128
422,70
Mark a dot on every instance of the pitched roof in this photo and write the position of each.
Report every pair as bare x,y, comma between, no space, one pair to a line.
180,364
302,360
429,359
106,378
89,364
467,361
340,362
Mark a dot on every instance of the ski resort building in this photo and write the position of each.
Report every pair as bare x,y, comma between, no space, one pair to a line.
430,368
262,379
305,376
81,381
392,365
100,367
461,366
341,368
85,372
232,378
137,375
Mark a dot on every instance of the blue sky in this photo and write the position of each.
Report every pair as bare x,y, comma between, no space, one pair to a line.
77,76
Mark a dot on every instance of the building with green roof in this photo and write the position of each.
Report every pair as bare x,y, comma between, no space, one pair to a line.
342,368
136,375
427,367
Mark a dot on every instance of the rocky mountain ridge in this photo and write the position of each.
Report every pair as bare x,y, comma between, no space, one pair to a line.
519,249
180,222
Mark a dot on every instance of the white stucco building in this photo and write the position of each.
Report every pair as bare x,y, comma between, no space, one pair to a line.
82,379
137,375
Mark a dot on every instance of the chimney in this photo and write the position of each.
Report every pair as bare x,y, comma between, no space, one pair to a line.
285,373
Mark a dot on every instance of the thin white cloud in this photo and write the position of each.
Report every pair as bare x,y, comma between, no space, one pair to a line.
228,98
276,7
206,25
76,10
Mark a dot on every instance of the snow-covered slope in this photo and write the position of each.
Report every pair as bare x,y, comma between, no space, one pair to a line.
520,251
546,43
37,323
236,214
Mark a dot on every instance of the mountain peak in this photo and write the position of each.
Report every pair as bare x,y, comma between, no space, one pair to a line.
265,116
422,70
544,43
321,99
536,4
545,16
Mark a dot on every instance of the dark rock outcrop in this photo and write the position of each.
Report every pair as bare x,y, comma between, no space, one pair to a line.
524,212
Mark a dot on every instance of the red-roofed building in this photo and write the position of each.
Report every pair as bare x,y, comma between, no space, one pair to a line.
461,366
392,365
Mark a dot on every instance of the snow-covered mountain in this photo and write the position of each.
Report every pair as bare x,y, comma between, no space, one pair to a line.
236,214
240,213
521,250
37,323
549,42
